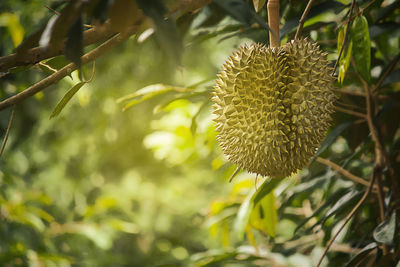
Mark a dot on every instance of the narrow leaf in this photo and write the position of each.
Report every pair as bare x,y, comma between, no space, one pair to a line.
258,4
241,11
154,89
357,259
332,198
252,200
264,215
166,31
332,137
193,126
266,188
74,43
146,93
362,47
384,232
342,204
243,215
66,98
345,58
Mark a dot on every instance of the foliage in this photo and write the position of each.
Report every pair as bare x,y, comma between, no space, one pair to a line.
95,186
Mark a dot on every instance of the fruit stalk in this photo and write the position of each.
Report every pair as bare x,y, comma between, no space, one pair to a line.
273,23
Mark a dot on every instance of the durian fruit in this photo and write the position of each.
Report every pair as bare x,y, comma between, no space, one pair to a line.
272,106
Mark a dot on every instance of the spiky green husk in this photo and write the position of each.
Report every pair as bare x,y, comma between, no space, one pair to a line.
273,106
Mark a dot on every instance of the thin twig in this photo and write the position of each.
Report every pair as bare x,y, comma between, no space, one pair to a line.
53,10
381,202
68,69
341,91
303,19
381,156
348,217
234,174
351,112
345,36
386,73
348,105
3,145
345,172
363,9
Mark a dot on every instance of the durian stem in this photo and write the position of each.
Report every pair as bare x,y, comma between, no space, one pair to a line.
273,23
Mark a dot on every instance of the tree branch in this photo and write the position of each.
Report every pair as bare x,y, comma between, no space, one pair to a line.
351,112
91,35
388,70
381,155
348,217
3,145
303,19
346,92
345,172
37,54
68,69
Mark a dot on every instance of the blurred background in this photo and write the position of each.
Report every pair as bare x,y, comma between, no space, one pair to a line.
139,180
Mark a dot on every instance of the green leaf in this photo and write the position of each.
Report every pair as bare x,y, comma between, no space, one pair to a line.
66,98
223,215
357,259
213,257
193,126
332,137
264,215
362,47
331,199
191,96
241,11
148,92
166,31
344,60
359,151
74,43
251,201
243,216
258,4
266,188
345,202
384,232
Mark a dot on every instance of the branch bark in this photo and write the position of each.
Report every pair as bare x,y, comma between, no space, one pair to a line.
351,112
348,217
37,54
68,69
345,173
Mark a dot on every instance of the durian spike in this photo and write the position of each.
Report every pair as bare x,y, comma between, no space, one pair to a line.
273,23
234,174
